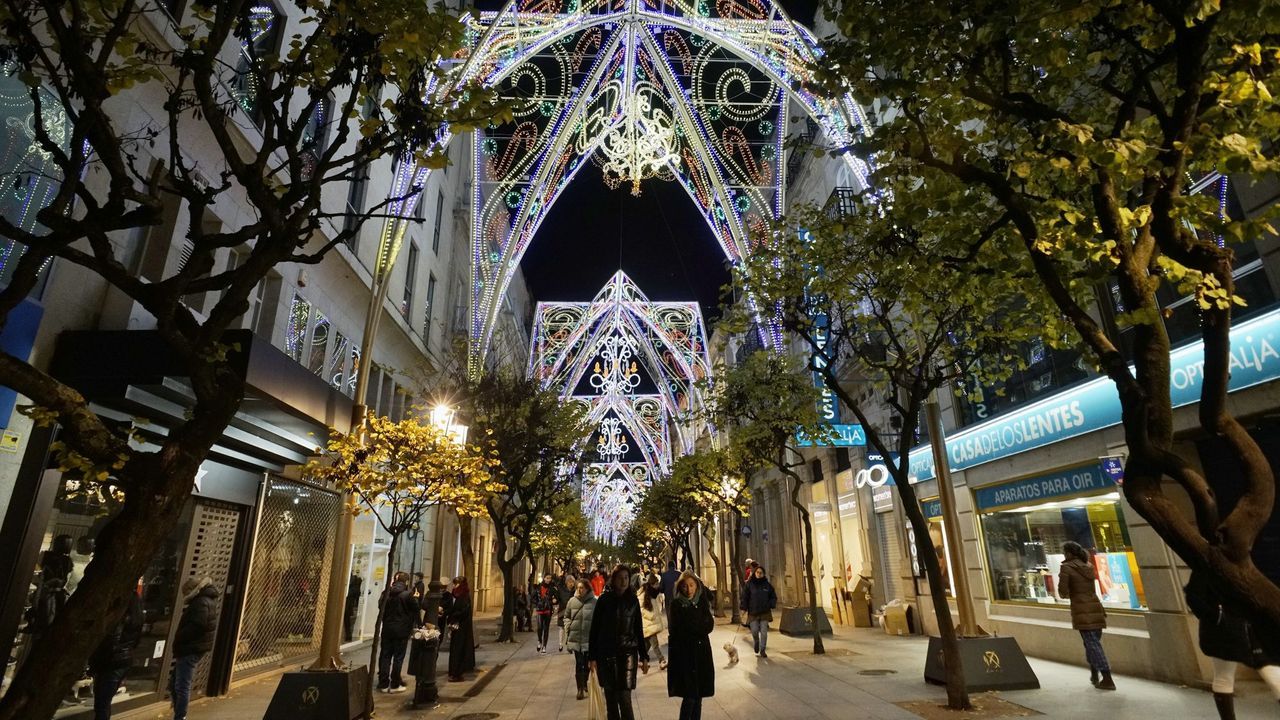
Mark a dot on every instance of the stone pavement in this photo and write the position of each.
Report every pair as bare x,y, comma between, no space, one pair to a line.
518,684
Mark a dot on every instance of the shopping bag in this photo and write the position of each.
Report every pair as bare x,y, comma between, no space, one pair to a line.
595,699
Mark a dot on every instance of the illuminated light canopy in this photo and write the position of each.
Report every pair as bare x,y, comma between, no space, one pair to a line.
635,365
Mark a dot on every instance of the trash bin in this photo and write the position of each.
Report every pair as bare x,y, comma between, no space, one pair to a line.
423,651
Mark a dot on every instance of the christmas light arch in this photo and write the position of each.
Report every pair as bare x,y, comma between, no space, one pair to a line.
696,91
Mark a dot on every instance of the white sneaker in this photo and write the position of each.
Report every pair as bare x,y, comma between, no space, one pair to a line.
398,689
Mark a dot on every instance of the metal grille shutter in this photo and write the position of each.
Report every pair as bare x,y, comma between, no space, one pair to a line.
209,550
888,530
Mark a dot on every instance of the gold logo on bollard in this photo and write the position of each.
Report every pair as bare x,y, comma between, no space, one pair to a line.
311,695
992,660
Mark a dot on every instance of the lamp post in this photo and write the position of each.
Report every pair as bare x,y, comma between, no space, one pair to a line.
442,417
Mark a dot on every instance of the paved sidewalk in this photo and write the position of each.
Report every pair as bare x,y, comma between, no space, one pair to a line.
792,684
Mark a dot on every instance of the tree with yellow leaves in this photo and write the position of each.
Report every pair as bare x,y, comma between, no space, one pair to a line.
397,470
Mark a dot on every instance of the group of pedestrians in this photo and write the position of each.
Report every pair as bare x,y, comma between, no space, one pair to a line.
403,611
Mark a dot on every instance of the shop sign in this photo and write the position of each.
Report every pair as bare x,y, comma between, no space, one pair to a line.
1081,480
848,505
932,508
1255,358
882,498
828,407
840,435
1113,467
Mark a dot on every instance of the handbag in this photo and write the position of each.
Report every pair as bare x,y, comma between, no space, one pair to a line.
596,709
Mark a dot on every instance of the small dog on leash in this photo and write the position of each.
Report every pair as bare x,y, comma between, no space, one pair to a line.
733,652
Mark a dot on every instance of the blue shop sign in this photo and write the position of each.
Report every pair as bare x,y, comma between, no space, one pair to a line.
1113,468
1095,404
932,508
1080,480
16,339
841,436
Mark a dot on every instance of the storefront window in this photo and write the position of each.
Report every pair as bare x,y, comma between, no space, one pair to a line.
1025,522
79,514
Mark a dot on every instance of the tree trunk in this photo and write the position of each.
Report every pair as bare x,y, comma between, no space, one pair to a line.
735,571
507,632
377,632
124,549
957,693
468,554
718,562
810,584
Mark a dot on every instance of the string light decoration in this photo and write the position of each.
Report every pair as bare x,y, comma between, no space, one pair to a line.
691,91
635,365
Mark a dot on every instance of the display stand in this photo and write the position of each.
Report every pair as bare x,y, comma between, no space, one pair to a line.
990,663
797,622
319,695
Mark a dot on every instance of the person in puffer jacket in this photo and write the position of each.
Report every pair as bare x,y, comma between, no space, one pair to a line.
653,611
1076,582
193,639
758,601
577,625
545,600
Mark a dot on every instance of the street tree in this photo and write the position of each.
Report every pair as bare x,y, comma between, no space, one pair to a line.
766,403
534,436
886,323
717,479
116,109
1067,136
397,471
561,535
671,505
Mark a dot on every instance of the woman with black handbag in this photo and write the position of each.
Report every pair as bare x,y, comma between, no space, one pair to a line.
462,651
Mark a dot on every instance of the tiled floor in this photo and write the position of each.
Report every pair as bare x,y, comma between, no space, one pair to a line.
787,685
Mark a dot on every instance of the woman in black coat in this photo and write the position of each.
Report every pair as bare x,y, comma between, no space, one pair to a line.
616,643
462,651
1227,640
690,672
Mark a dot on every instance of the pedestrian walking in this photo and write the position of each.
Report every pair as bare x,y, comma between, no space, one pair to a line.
1228,640
462,651
692,676
522,609
653,614
192,640
597,582
545,600
758,601
578,612
399,619
1076,583
566,586
615,647
110,661
669,578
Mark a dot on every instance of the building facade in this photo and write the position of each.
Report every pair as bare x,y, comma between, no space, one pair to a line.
261,531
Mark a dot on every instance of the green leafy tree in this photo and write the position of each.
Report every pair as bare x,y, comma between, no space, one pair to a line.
886,323
1065,136
767,402
717,481
117,170
398,470
671,505
534,436
561,535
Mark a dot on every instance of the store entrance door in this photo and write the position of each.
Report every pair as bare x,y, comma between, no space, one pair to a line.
374,584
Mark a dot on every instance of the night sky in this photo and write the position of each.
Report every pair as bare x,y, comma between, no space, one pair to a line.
666,246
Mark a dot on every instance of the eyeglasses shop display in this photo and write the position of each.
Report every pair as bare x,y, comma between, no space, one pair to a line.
79,514
1025,523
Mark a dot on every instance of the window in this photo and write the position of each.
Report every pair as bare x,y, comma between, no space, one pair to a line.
435,237
315,137
356,191
259,34
295,338
431,299
336,369
319,343
410,281
932,509
1025,523
1046,371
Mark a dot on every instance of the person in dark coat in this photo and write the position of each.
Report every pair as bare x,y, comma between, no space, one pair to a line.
566,586
1076,583
690,672
192,640
399,618
668,579
546,598
758,601
522,609
1228,640
442,611
353,603
112,658
462,651
616,644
